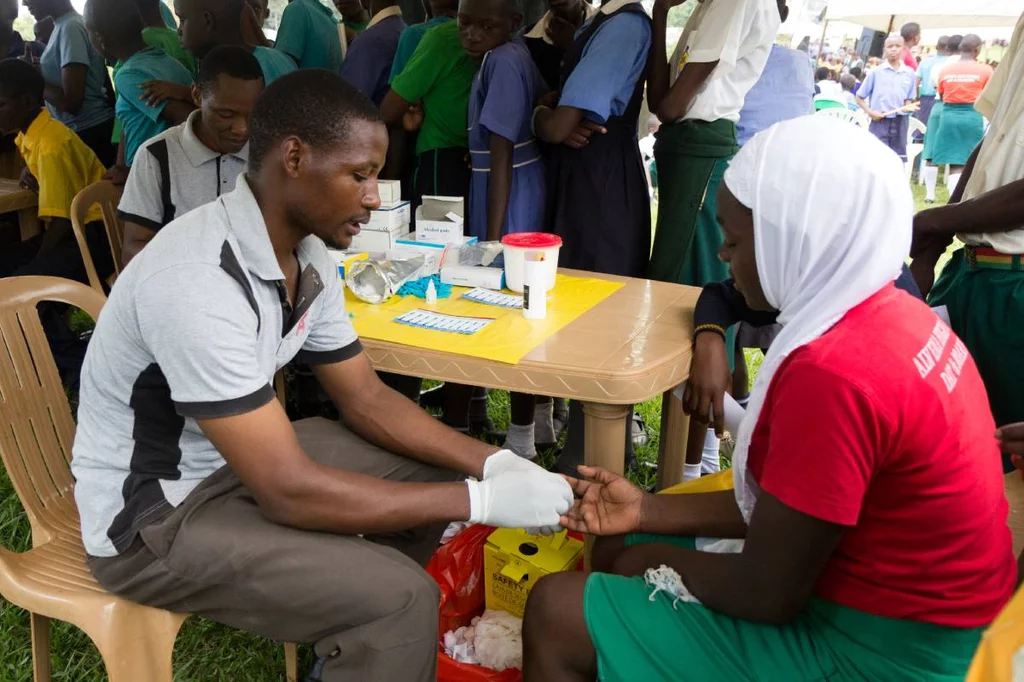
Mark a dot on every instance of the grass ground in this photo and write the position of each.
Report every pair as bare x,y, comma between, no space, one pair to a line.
206,651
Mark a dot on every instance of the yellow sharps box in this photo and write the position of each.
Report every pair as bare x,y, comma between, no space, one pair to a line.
514,561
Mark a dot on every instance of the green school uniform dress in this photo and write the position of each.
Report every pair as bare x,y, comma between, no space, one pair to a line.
168,16
409,41
140,120
165,39
440,76
309,34
274,63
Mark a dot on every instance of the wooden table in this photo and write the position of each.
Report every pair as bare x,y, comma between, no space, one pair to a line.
632,346
13,197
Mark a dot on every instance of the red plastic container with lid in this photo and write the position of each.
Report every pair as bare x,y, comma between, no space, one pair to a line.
516,246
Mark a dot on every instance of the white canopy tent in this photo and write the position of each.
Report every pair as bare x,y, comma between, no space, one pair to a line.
889,15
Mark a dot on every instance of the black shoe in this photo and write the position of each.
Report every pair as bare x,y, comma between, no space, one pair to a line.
481,428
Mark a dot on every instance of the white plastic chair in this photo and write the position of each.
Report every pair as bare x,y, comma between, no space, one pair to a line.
844,114
914,149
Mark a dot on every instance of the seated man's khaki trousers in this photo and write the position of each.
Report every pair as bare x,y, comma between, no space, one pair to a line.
365,603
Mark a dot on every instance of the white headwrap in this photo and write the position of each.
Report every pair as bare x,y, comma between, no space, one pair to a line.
833,215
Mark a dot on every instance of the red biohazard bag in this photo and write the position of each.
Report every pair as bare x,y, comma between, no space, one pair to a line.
458,568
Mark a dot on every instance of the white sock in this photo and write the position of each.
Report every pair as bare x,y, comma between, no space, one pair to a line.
709,462
954,180
519,440
543,423
691,472
931,178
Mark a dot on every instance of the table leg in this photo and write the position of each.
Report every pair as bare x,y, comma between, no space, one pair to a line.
604,428
28,222
675,426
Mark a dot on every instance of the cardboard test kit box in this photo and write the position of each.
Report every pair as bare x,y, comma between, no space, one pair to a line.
514,561
440,220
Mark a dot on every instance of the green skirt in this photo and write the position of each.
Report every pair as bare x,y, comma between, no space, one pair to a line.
985,308
934,121
692,157
642,640
960,131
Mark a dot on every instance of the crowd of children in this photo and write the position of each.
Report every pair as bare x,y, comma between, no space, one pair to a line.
537,127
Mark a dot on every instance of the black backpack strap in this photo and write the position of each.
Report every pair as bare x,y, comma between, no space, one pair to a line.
159,151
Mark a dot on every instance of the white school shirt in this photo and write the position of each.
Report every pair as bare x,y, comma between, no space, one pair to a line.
1001,159
739,35
540,29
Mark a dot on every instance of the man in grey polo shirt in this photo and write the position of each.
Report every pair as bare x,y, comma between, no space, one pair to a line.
193,163
197,494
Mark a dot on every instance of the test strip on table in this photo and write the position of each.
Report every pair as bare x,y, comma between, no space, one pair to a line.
496,298
426,319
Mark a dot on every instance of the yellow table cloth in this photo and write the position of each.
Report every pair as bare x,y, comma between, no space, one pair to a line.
507,339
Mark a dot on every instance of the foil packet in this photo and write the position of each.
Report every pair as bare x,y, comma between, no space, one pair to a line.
375,281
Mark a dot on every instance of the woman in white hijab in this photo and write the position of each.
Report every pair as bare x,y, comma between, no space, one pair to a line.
868,484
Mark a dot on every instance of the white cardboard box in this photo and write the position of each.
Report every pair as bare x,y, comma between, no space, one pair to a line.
440,219
410,244
379,240
386,219
390,191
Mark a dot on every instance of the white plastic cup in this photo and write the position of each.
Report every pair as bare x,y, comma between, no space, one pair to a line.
516,246
535,291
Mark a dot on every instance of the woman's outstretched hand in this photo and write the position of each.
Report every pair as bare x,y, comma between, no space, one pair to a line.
607,504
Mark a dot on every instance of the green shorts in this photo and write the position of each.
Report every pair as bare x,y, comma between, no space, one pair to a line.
643,640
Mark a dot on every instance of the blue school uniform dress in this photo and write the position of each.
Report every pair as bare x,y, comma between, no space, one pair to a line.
597,196
784,90
367,65
17,49
927,94
94,122
501,102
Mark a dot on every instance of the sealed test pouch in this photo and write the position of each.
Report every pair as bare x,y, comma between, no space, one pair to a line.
514,561
344,258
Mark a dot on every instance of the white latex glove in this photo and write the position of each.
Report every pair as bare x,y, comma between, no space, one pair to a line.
519,499
505,461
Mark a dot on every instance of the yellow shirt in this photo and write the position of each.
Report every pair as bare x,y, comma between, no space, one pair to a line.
61,163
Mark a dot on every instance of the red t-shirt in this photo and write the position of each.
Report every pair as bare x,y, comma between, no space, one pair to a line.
882,425
908,58
961,82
